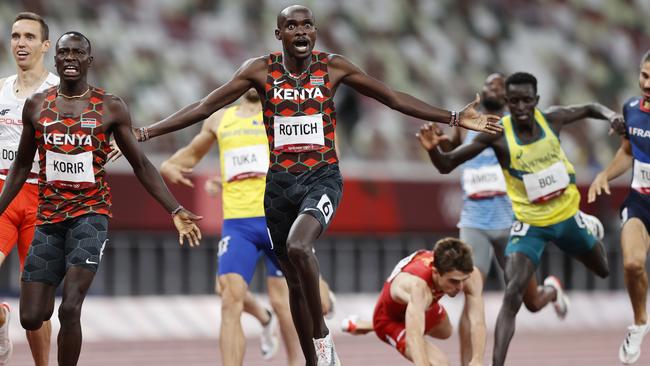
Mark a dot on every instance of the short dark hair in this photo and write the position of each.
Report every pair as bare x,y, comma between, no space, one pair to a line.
645,58
451,254
520,78
76,35
45,30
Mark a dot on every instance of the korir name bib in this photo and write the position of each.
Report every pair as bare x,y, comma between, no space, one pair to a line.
69,171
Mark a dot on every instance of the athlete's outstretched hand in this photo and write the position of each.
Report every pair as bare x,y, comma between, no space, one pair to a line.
176,174
617,123
213,186
430,136
185,222
472,119
597,187
115,153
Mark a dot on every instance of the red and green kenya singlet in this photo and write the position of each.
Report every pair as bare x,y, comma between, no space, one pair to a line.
72,153
299,116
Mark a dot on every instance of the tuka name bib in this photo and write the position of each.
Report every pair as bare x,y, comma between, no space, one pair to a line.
246,162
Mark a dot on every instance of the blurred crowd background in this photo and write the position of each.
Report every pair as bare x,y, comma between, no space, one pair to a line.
160,55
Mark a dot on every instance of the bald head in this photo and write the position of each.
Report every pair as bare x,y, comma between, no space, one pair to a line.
286,13
493,77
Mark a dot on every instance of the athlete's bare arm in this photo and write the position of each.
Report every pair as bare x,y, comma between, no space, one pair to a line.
26,149
119,124
473,288
414,292
620,164
252,74
447,162
343,71
186,158
559,116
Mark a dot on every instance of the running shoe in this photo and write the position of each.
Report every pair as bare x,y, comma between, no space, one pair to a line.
349,324
561,303
332,310
630,349
6,347
269,341
325,352
594,226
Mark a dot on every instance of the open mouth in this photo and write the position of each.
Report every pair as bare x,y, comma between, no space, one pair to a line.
301,45
70,70
22,54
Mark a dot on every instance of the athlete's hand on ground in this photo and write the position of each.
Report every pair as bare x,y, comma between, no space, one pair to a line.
176,174
472,119
617,123
431,136
185,222
115,153
599,185
213,186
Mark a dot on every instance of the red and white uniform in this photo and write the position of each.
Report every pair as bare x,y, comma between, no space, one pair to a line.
389,319
17,222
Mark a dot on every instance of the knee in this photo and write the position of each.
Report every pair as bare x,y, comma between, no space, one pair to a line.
232,301
533,305
31,320
69,312
634,267
512,298
298,251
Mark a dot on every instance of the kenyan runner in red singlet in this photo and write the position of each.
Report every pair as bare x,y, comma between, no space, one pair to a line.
70,126
304,184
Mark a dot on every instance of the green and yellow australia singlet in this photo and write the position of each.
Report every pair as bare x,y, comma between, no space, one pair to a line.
540,180
244,157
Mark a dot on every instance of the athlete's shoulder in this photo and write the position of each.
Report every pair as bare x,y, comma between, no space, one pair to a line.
632,102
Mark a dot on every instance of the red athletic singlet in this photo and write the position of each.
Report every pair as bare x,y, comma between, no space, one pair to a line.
299,115
72,153
419,264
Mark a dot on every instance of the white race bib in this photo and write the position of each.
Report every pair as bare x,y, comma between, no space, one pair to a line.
484,182
641,178
546,184
69,171
246,162
519,228
8,154
298,134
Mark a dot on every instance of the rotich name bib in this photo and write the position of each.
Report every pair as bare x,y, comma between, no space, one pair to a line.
298,133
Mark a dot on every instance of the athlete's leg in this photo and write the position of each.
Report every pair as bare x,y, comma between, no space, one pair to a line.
325,299
596,260
231,336
482,253
304,231
38,340
75,288
636,243
279,298
519,269
36,304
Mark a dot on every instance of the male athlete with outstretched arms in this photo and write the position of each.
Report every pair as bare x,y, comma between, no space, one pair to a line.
540,182
29,44
635,212
303,184
70,127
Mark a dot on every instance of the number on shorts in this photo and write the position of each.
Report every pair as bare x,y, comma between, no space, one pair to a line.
519,228
223,245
